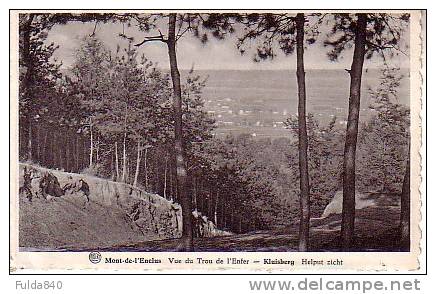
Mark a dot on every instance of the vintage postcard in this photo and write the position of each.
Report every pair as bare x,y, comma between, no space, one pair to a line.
249,140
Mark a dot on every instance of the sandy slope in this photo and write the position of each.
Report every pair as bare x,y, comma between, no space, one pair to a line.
116,214
67,222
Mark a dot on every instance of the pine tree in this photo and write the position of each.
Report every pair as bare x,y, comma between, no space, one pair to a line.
178,25
370,34
39,76
279,32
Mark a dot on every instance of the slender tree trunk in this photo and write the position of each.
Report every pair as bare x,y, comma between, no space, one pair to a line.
29,139
124,174
113,176
194,185
128,174
223,225
59,147
225,209
47,151
85,154
97,149
185,199
28,78
38,143
210,203
200,198
302,139
215,216
145,169
54,149
165,177
26,58
405,210
348,204
171,182
67,153
91,148
384,167
138,162
231,218
117,170
156,180
44,156
77,153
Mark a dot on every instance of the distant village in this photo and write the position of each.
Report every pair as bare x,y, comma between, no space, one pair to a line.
261,119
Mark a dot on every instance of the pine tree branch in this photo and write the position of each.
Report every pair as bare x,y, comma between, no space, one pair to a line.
151,39
384,47
93,31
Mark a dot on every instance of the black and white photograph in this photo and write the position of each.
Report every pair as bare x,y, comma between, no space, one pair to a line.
216,132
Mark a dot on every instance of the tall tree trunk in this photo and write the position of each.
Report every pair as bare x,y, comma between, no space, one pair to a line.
302,139
405,210
124,174
138,162
91,147
28,79
145,168
66,151
200,198
44,152
29,139
385,172
38,143
85,153
27,58
76,153
97,149
165,177
117,170
348,204
223,214
128,174
59,147
231,218
171,182
54,149
113,176
194,186
185,199
156,179
225,210
209,202
215,216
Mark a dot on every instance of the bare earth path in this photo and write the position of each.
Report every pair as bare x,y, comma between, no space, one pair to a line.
374,232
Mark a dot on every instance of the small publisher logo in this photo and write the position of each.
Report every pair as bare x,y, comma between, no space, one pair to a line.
95,257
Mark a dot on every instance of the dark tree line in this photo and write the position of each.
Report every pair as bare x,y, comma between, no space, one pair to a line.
54,147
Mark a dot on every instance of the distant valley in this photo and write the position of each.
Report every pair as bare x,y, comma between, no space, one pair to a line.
257,102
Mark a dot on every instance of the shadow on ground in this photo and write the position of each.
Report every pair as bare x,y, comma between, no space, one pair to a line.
376,230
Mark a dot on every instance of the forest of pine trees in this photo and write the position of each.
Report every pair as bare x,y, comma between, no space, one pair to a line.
117,115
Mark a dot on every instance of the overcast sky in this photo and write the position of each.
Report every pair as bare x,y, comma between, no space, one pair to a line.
215,54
